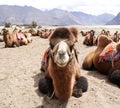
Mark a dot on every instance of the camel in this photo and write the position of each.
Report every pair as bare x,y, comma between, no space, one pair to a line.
105,58
45,33
10,39
116,37
28,36
104,32
60,79
20,36
90,38
84,33
33,32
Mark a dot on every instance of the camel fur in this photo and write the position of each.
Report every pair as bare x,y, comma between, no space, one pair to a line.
110,68
10,39
64,81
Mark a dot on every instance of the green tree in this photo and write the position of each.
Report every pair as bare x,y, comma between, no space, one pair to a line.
34,24
7,24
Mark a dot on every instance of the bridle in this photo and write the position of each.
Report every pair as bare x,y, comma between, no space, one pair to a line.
55,48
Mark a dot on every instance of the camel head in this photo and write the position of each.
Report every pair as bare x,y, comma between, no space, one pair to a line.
62,53
61,43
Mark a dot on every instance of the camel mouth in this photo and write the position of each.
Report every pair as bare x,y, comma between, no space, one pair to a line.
62,64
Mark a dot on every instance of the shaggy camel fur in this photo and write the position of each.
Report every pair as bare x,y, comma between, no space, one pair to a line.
74,31
104,61
45,33
90,38
10,39
60,78
116,37
28,36
33,32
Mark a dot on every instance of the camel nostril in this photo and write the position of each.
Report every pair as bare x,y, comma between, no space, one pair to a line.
61,52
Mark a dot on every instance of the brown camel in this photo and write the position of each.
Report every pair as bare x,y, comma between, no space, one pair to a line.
105,58
10,39
60,79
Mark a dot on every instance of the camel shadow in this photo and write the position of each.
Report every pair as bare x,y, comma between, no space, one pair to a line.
52,103
100,76
47,102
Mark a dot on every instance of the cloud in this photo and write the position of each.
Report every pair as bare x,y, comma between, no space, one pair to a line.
88,6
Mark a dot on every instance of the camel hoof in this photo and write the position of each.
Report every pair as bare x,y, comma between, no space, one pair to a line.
80,86
77,92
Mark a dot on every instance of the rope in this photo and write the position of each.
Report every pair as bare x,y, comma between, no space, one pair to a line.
52,95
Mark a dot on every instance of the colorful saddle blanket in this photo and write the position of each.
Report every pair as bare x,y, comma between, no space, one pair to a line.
109,53
45,55
20,36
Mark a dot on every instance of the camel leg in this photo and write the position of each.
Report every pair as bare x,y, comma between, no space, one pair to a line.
114,77
46,86
80,86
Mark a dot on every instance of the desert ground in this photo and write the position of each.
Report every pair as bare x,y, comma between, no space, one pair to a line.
20,73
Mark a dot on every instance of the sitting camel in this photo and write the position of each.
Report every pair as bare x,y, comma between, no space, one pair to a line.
10,39
62,74
33,32
45,33
116,37
20,36
105,58
28,36
90,38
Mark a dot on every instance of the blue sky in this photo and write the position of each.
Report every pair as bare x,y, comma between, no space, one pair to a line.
94,7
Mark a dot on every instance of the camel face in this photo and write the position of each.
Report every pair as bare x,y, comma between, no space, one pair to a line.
61,54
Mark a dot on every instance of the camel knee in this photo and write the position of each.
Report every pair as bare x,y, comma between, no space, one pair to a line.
45,85
80,86
114,77
82,83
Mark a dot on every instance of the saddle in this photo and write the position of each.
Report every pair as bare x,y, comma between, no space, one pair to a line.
109,53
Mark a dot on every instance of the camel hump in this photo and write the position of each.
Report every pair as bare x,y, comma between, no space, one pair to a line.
103,40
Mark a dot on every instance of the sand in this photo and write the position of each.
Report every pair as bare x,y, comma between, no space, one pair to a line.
20,73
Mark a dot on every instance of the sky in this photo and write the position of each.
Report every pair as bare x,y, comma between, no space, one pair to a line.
94,7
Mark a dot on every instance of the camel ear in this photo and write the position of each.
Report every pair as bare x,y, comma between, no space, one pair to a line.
75,33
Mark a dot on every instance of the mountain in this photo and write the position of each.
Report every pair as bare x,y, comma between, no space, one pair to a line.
26,14
115,20
105,17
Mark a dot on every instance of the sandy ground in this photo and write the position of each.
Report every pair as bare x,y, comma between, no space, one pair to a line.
20,72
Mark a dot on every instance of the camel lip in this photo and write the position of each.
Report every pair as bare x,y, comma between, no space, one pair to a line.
63,64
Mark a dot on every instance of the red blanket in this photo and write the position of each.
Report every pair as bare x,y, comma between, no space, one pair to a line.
109,53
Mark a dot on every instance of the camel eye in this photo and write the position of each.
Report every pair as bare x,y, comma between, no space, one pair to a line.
71,47
51,46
